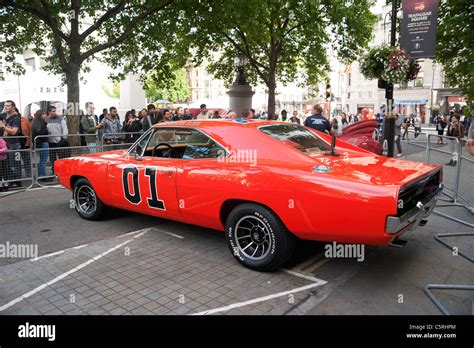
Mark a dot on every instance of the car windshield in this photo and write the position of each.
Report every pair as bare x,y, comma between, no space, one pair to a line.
296,136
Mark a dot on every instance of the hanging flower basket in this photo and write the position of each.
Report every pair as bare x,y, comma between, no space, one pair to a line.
389,65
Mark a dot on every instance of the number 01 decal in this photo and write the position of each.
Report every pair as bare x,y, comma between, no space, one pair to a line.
135,197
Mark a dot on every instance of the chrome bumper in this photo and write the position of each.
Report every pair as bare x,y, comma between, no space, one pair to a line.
414,216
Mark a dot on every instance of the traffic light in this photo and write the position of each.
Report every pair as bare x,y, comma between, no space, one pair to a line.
328,92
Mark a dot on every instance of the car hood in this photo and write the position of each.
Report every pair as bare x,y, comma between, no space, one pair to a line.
372,169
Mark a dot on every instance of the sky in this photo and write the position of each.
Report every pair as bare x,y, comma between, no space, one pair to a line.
378,6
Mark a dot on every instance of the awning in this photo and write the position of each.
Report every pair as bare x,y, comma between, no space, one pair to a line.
411,101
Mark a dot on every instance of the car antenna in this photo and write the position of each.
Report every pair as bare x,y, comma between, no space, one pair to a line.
333,146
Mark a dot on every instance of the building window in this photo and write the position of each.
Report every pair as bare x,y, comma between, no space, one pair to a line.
360,95
31,62
349,79
369,94
419,80
207,83
445,81
349,95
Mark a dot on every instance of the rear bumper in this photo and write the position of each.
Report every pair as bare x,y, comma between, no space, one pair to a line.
412,218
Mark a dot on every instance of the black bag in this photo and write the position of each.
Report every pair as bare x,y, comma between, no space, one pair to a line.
64,153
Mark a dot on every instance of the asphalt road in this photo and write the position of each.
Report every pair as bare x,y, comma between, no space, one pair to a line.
43,217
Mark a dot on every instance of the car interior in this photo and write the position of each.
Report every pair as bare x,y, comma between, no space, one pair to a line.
180,143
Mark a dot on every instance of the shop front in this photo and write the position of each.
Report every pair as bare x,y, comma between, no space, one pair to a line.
407,107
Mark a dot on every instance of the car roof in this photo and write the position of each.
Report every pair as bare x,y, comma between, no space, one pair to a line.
223,122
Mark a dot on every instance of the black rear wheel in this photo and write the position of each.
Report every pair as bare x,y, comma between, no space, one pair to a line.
257,237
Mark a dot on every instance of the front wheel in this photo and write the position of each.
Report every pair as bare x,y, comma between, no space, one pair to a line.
257,237
86,202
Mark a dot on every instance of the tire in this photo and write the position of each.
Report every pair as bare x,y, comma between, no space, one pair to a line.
268,245
84,193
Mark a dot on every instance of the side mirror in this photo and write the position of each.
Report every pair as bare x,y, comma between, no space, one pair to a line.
137,157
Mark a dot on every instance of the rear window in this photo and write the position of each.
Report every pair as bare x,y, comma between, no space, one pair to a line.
296,136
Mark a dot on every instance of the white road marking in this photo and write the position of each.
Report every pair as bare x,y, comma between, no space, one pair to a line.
260,299
156,229
64,275
80,246
304,276
170,234
47,255
45,187
130,233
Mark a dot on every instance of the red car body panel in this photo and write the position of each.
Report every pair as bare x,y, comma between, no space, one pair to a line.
349,204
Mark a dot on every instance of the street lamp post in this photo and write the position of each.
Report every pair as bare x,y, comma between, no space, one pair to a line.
389,119
240,92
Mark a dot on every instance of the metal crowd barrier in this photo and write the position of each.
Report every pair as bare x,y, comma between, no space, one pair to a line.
118,141
47,149
17,168
452,174
34,166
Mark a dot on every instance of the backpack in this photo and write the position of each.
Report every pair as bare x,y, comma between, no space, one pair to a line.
3,149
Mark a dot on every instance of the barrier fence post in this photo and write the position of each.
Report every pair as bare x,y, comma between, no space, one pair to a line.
428,147
458,169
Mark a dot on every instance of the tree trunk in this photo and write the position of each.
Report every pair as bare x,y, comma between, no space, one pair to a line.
271,95
73,108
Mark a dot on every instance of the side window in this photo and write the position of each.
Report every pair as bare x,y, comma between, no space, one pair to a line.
200,145
141,145
185,143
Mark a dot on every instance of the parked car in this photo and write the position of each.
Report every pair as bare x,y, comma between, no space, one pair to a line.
361,134
264,183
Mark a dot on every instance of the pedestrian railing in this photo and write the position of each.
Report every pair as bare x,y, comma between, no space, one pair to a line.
458,169
118,141
16,169
34,166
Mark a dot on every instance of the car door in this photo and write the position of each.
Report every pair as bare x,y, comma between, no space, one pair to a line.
144,183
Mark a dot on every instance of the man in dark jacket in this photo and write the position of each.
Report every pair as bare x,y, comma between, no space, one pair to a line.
89,123
12,121
148,120
317,121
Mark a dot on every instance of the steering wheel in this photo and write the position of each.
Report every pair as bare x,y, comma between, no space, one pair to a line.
158,145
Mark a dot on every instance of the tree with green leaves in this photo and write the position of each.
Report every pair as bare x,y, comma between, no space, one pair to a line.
68,34
175,88
455,41
114,92
282,39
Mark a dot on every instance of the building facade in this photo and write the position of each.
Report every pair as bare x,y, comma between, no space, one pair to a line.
426,96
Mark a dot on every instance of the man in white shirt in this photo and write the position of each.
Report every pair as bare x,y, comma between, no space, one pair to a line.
417,125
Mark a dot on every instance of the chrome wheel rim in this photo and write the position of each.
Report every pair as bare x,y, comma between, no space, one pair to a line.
253,237
86,200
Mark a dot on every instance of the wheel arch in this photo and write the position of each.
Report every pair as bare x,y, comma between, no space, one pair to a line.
229,204
74,179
